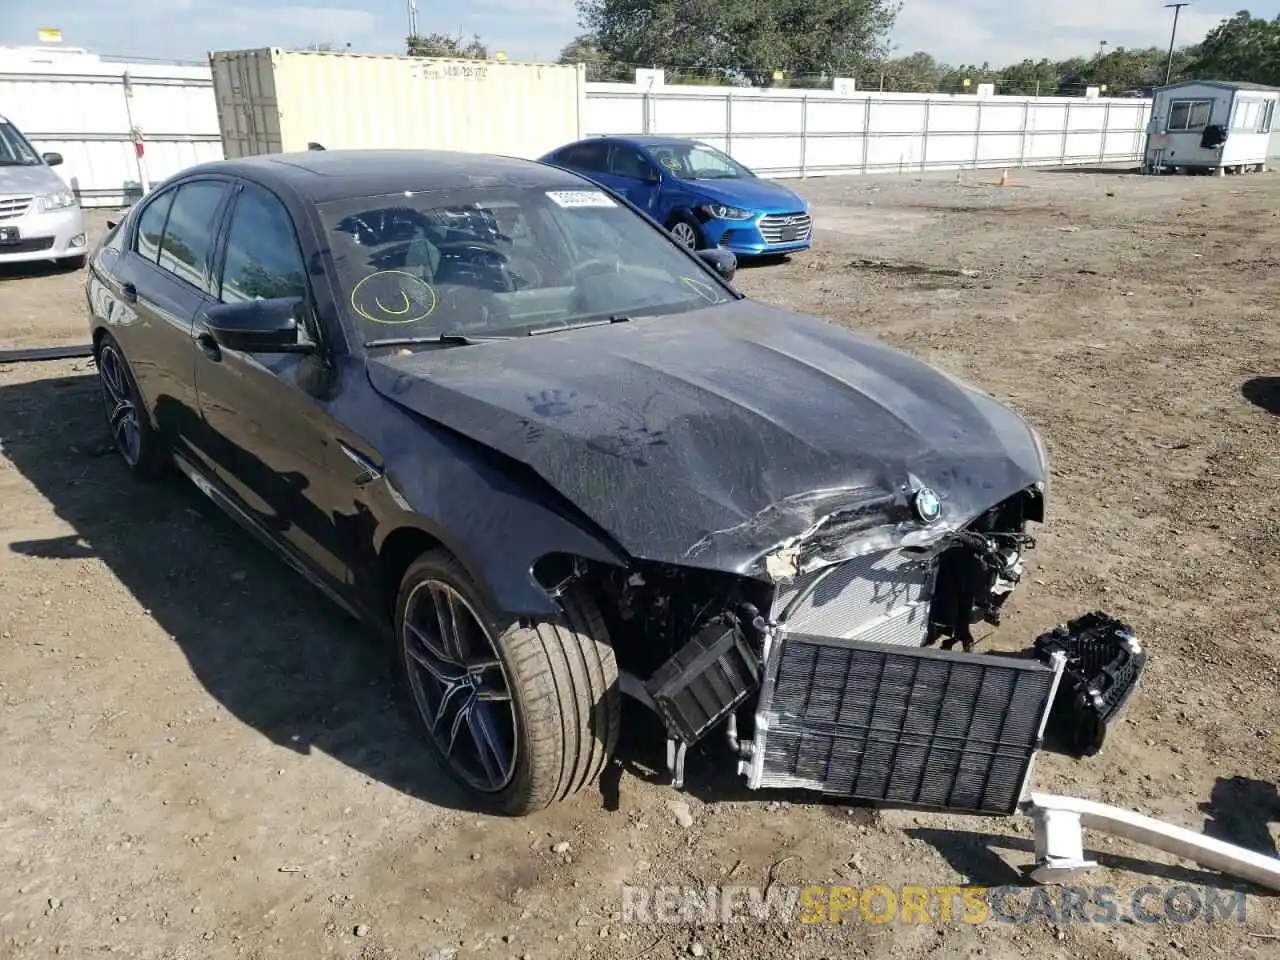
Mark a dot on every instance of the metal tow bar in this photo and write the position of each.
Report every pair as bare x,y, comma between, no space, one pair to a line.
1060,842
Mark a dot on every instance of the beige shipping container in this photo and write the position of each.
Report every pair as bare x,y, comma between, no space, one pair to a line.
272,101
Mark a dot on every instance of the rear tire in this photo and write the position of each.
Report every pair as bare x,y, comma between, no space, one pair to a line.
541,701
137,442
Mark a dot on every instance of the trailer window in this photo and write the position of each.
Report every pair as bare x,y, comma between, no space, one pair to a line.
1190,114
1268,114
1248,115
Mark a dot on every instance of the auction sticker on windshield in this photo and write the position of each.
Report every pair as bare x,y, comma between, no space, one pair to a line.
580,198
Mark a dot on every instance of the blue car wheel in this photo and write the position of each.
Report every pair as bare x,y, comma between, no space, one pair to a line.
686,232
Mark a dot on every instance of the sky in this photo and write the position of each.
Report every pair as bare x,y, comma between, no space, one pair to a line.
954,31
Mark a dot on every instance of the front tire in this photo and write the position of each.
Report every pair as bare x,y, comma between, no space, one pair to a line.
521,716
686,231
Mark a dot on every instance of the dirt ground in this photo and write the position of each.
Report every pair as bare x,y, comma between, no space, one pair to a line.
200,757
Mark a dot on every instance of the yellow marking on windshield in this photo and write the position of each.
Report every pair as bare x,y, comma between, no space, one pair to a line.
702,289
418,296
405,309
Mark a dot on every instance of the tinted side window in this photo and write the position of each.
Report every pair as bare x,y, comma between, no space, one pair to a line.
627,162
263,259
188,237
586,156
151,226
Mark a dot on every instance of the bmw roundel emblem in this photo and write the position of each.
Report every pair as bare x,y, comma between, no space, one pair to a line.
928,506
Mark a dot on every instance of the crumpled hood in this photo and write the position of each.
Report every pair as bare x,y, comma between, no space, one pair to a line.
749,193
707,438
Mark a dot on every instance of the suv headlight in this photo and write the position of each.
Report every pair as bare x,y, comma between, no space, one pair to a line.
58,201
722,212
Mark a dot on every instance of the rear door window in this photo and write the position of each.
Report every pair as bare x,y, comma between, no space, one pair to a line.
151,226
189,233
586,156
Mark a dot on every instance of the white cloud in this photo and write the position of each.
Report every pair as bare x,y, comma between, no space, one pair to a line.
1000,31
958,31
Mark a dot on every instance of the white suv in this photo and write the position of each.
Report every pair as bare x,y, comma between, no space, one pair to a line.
40,219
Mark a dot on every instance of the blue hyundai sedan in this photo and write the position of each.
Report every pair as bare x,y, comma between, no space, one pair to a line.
701,194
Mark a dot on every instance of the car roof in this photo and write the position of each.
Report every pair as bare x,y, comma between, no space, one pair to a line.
657,141
324,175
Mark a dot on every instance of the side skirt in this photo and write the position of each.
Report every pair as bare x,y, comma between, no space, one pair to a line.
229,506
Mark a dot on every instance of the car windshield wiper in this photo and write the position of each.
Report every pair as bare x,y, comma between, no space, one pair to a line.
447,339
601,322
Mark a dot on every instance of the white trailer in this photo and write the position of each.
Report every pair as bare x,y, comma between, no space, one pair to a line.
1210,126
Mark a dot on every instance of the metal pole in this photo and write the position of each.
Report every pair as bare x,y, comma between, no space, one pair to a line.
1177,9
866,134
804,131
728,123
1106,125
1066,132
135,134
1026,125
924,140
977,137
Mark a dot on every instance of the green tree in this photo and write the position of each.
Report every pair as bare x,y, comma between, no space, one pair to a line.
742,40
915,73
1242,48
1030,78
444,45
585,49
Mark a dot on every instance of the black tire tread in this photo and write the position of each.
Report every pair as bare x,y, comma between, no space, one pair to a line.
683,217
564,677
154,462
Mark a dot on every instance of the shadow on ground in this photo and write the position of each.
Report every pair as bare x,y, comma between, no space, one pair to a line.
1093,168
1263,392
36,268
305,676
1240,810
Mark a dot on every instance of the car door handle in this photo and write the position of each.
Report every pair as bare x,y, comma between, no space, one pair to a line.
129,292
209,346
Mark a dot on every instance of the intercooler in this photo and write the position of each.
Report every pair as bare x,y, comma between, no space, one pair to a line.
908,725
851,704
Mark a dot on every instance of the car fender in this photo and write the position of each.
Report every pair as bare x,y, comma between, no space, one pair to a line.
496,517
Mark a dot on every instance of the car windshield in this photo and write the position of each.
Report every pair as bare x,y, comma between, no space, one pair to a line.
505,261
698,161
14,148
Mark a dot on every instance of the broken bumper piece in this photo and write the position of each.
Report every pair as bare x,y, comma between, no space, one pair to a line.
890,722
1103,660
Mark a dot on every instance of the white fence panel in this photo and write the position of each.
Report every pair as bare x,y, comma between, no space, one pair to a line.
86,107
786,133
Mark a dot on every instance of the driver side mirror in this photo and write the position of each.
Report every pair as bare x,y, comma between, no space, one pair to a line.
258,326
52,159
723,262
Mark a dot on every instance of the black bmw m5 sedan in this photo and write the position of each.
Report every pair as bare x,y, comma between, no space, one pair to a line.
556,458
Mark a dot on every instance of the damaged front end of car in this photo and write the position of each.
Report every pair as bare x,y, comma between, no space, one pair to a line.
831,663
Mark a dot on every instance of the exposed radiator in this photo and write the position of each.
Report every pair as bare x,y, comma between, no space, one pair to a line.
882,597
906,725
